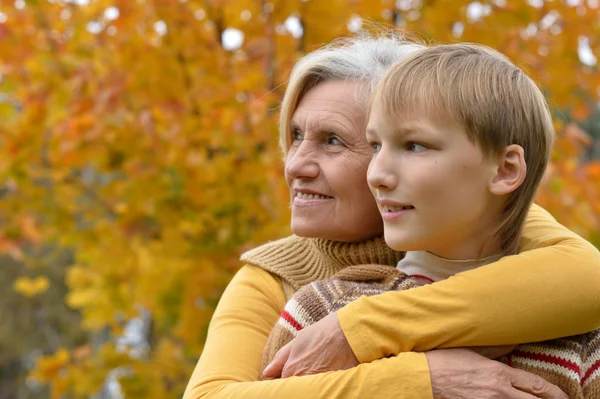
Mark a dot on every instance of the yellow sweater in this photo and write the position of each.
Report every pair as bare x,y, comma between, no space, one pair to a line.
548,291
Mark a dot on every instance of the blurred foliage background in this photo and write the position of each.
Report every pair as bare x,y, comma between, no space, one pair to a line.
139,158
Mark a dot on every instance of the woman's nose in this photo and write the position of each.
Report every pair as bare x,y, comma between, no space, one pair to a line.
303,162
380,175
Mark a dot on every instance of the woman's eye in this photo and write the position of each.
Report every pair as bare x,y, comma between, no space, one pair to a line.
416,147
334,141
296,135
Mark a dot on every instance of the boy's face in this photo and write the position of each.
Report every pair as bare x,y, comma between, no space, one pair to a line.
431,184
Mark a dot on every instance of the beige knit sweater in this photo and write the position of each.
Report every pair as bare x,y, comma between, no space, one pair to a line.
300,261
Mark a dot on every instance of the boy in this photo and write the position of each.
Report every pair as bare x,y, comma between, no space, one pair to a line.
461,139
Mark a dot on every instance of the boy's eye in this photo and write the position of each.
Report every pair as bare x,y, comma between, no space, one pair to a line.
416,147
376,147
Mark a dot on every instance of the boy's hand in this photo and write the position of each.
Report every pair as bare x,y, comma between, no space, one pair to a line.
318,348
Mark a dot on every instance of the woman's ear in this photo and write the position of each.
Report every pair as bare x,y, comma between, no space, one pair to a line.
510,171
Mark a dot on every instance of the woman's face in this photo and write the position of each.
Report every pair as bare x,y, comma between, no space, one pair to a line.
326,166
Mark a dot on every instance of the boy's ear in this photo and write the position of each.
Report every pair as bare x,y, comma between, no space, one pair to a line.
510,171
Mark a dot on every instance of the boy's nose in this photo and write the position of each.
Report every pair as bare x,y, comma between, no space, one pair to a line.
379,176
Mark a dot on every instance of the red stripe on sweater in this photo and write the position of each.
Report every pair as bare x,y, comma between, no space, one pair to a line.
590,371
290,319
423,277
549,359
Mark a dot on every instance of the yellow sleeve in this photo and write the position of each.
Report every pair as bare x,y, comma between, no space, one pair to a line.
549,290
229,365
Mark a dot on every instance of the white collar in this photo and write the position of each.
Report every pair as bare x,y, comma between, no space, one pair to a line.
431,268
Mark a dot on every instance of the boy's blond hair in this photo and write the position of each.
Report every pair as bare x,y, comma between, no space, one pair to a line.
362,59
482,91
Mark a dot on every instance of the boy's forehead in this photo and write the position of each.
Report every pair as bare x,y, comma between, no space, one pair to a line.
419,116
422,101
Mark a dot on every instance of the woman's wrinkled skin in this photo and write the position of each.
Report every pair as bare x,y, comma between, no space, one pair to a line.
326,165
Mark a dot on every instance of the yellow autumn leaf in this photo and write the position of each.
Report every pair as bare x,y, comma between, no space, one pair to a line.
31,287
48,367
80,298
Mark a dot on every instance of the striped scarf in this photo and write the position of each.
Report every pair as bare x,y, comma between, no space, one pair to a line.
572,363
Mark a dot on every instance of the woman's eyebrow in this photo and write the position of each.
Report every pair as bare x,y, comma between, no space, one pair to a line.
325,128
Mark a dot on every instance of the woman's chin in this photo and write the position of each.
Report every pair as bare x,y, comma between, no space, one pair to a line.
325,232
304,228
316,232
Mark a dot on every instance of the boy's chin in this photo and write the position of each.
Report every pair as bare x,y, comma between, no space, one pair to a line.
399,243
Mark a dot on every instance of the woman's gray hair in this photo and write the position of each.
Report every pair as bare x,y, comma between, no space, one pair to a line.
363,59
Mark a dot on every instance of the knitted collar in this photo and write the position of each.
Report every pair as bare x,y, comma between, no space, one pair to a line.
427,266
300,261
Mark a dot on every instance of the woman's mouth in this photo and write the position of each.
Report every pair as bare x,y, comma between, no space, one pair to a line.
311,196
309,199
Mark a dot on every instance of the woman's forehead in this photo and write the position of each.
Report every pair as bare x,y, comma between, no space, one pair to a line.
341,92
327,100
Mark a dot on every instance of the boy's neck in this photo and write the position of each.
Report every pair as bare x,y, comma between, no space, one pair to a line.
478,244
474,249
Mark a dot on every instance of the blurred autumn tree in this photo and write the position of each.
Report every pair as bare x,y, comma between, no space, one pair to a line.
138,159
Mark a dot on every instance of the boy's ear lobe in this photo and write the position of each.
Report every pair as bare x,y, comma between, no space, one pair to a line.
510,171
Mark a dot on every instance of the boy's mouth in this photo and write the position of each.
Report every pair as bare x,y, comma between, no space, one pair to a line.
390,208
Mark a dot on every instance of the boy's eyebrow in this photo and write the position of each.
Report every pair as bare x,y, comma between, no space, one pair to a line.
409,129
416,128
406,131
370,130
400,131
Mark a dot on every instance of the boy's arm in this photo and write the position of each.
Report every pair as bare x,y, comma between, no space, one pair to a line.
550,290
230,363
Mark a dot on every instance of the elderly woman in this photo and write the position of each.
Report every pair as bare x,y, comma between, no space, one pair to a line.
336,223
